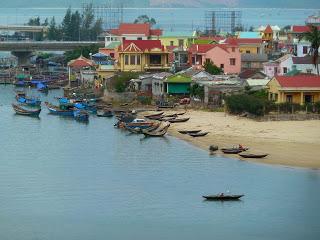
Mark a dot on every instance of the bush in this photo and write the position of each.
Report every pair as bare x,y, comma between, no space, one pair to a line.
209,67
250,103
317,106
121,81
145,100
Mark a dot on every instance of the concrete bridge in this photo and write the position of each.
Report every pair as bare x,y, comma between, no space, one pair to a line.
23,50
23,28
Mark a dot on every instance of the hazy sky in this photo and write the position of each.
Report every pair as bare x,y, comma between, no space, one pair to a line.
314,4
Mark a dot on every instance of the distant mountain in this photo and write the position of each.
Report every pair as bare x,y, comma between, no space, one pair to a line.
314,4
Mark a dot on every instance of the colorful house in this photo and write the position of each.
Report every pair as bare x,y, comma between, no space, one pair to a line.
267,37
134,31
143,55
178,84
251,45
300,89
178,39
226,56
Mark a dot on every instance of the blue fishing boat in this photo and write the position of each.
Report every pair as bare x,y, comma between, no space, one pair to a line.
58,111
139,124
81,115
22,98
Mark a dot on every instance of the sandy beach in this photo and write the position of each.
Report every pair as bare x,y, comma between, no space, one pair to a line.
289,143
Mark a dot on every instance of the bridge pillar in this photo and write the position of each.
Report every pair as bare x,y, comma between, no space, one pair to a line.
23,57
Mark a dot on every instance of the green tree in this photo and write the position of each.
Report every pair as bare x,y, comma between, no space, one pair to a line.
66,25
52,31
87,21
75,24
313,36
197,91
209,67
145,19
84,51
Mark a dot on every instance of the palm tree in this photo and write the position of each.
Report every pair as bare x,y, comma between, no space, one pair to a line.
313,36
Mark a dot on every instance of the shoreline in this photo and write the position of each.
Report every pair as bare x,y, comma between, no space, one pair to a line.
288,143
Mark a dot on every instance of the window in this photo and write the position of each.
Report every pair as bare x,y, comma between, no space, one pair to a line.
309,71
233,49
112,55
222,66
181,42
248,51
289,98
258,50
308,98
132,59
171,43
126,59
138,60
276,96
155,59
285,70
123,38
139,38
232,61
208,60
305,50
108,39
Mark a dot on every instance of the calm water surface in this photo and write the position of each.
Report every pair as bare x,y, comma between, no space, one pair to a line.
60,179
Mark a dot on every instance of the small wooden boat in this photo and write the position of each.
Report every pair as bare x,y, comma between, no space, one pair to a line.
57,111
182,113
174,115
231,150
104,113
139,123
26,112
200,134
154,115
222,197
251,155
80,115
156,133
178,120
189,131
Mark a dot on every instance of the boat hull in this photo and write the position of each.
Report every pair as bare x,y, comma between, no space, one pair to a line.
223,198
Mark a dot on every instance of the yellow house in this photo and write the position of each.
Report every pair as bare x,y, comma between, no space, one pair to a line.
143,55
251,45
300,89
178,39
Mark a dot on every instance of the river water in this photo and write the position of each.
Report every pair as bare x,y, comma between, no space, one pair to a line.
60,179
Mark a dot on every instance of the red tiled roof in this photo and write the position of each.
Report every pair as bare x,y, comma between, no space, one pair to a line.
297,81
136,28
213,38
203,48
80,62
143,45
268,29
232,41
301,29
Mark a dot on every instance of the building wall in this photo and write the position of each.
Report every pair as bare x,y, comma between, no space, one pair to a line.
255,49
305,68
166,41
220,56
270,69
287,63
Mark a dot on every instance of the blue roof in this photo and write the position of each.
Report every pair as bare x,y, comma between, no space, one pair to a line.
249,35
178,34
100,55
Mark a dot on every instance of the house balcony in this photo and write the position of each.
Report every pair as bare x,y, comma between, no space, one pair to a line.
156,67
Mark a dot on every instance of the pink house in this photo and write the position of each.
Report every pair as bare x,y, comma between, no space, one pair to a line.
226,56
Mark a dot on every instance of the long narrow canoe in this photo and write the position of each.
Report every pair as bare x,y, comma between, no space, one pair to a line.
251,155
220,197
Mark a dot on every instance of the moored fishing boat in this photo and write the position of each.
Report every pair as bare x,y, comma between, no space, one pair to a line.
178,120
189,131
26,112
81,115
157,132
58,111
200,134
139,123
252,155
104,113
155,115
222,197
22,98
